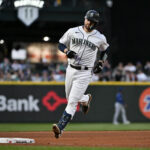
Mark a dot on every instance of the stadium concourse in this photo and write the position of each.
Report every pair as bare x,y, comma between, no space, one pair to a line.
20,70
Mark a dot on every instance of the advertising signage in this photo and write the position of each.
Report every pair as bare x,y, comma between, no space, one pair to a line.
46,103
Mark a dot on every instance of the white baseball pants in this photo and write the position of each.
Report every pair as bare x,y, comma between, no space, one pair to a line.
76,84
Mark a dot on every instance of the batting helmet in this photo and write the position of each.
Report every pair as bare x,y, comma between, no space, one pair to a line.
92,15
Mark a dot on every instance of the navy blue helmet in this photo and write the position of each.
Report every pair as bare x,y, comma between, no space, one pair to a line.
92,15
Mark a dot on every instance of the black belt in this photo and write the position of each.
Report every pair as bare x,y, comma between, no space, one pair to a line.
79,67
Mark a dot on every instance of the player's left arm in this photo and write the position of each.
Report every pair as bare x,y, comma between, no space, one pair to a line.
103,56
104,49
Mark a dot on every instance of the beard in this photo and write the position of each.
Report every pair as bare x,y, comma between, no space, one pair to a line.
89,27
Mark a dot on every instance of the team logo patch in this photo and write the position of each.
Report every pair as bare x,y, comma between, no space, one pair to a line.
144,103
92,14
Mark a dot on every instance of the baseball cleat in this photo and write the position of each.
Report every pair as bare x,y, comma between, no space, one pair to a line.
86,107
116,123
126,122
56,130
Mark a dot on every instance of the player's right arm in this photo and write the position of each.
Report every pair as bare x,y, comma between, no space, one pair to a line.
64,44
69,53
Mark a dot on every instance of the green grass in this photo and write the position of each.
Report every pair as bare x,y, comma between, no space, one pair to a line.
108,127
63,148
10,127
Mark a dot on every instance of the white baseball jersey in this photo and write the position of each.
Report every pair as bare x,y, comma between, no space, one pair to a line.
84,44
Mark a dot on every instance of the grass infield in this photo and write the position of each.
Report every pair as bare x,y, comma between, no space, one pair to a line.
16,127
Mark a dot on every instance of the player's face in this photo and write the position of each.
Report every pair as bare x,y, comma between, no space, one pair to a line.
88,24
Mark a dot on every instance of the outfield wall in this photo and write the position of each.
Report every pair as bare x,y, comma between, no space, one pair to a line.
45,102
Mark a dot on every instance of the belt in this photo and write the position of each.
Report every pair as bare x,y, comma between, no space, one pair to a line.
79,67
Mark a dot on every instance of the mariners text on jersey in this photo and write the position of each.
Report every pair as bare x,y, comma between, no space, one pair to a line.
79,41
84,44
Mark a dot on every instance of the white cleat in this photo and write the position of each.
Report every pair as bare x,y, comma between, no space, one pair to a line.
116,123
127,122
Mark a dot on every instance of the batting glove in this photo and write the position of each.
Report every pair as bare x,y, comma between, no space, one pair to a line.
98,67
71,54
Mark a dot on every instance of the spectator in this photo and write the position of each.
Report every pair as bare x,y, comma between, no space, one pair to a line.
14,76
95,77
147,68
15,66
36,77
130,76
139,66
45,76
23,65
21,75
118,72
5,66
106,71
27,75
141,76
1,76
7,76
130,70
58,76
130,67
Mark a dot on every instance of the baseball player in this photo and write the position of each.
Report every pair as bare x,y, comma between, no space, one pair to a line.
80,44
120,108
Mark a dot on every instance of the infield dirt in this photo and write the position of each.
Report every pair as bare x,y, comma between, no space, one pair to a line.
86,138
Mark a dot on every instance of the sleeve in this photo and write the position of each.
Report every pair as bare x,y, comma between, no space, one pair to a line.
65,39
104,45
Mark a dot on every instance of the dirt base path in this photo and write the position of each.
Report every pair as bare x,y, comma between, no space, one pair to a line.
87,138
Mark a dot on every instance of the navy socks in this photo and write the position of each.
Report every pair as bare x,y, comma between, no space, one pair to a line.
64,120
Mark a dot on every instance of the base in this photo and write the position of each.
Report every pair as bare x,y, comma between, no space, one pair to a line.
16,140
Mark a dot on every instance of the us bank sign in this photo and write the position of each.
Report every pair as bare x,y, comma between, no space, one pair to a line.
28,10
